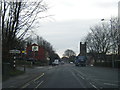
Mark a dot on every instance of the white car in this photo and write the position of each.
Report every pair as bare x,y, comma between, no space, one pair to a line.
71,62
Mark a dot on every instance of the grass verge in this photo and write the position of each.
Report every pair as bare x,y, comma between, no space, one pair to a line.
16,72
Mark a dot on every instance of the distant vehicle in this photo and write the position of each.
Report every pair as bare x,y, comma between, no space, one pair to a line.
81,61
56,62
62,62
71,62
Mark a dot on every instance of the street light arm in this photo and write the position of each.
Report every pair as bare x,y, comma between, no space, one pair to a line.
102,19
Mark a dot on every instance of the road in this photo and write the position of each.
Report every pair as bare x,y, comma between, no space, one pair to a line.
70,76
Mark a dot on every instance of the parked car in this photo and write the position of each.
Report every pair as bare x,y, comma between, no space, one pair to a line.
62,62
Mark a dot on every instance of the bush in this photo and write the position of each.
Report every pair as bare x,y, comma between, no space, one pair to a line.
41,63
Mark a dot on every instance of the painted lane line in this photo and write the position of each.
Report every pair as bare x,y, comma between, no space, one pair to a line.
110,84
106,80
39,77
77,79
82,77
80,72
93,85
39,84
26,85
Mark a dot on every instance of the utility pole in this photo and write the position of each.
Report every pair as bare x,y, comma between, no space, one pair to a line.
119,28
111,27
0,45
113,61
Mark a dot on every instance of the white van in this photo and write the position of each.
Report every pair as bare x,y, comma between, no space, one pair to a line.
56,62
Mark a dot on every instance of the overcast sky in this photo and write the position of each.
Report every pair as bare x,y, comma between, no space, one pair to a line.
71,21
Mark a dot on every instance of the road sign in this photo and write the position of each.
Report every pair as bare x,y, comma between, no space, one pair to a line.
34,48
14,51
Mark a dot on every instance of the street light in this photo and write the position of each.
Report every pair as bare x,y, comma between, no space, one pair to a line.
113,64
119,28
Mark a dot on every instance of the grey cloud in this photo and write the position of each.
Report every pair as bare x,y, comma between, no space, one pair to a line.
67,34
106,4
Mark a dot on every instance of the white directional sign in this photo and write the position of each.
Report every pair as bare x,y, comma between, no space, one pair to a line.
14,51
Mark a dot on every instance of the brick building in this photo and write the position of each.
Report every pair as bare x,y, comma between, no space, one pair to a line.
36,52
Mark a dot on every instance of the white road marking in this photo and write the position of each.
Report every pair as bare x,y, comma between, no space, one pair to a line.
78,79
26,85
39,84
106,80
110,84
79,72
82,77
93,85
39,77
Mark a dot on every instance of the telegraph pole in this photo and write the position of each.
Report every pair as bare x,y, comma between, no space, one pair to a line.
0,45
119,28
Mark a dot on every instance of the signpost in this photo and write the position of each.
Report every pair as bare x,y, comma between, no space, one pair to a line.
14,51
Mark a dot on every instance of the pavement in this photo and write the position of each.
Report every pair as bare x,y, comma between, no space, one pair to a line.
20,80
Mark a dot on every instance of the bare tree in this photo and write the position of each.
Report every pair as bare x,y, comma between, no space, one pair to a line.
99,38
103,38
114,35
68,53
17,19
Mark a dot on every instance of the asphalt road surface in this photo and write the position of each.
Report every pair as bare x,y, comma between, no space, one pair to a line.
70,76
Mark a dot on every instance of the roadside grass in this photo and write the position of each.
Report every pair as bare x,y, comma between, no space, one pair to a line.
16,72
12,73
23,62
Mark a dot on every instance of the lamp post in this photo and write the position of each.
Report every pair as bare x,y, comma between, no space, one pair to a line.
119,28
113,64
